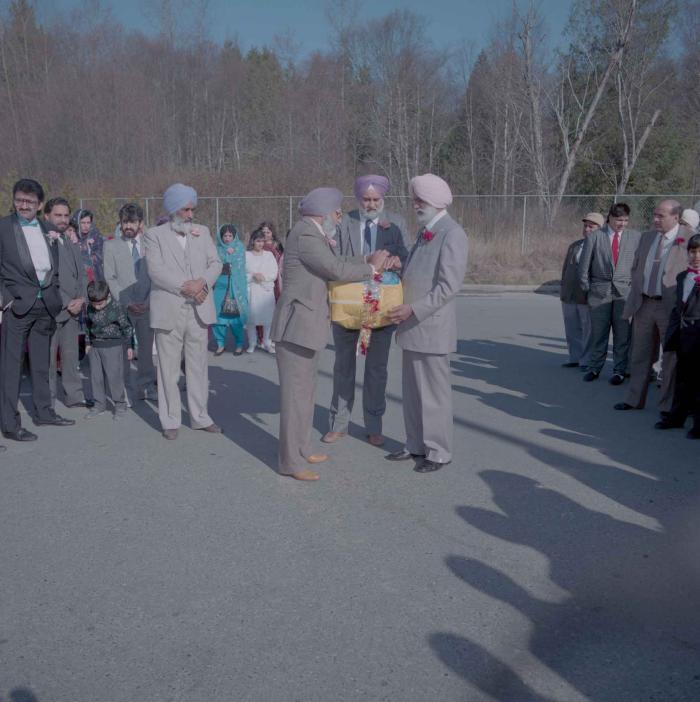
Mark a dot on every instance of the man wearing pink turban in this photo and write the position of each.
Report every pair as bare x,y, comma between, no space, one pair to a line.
427,330
367,229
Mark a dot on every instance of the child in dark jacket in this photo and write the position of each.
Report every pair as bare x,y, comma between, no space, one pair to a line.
109,331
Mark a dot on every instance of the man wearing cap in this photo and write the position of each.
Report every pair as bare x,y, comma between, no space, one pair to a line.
301,321
427,330
574,307
690,219
364,230
605,272
661,256
183,266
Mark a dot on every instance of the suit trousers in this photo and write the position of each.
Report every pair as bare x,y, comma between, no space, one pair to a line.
375,378
191,336
648,327
34,328
65,342
577,327
686,396
297,367
427,405
606,316
107,362
145,370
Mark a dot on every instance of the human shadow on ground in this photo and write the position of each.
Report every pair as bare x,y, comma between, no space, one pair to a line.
629,627
20,694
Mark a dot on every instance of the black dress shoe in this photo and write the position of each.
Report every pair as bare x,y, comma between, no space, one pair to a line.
89,403
402,455
617,379
667,423
569,365
78,404
591,375
55,421
20,435
694,433
624,406
428,466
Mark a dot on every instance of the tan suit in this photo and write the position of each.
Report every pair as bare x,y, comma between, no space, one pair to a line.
649,321
179,323
300,330
434,274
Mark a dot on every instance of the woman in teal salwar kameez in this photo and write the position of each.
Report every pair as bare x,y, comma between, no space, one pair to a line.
232,254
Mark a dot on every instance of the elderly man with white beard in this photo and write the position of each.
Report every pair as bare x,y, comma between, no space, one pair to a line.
302,319
367,229
183,266
427,330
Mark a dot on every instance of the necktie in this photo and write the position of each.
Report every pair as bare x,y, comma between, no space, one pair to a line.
616,247
656,267
368,237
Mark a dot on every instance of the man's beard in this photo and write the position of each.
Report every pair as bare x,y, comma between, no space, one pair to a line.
371,214
328,226
181,226
425,214
60,228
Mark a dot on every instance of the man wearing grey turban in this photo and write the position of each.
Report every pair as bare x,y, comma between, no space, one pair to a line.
301,322
368,228
183,265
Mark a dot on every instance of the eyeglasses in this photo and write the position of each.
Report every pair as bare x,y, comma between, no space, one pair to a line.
24,201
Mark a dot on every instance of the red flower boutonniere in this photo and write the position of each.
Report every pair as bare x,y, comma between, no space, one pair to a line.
678,241
384,223
427,235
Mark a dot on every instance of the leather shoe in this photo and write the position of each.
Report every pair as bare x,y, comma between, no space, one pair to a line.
617,379
316,458
428,466
211,429
81,403
170,434
574,364
667,423
694,433
375,439
20,435
591,375
332,436
624,406
304,475
55,421
402,455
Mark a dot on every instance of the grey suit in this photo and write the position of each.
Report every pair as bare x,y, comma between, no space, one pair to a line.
433,276
300,331
350,243
179,323
73,284
608,286
129,284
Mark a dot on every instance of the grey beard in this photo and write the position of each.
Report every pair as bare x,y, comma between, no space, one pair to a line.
328,226
364,215
427,213
181,226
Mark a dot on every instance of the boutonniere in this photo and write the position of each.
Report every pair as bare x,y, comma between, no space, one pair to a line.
196,231
678,241
229,250
427,235
384,223
54,236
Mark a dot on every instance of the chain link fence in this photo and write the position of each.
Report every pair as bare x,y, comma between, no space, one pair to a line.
510,238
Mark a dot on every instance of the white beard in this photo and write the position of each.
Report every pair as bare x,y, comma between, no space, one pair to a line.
364,215
328,226
425,214
181,226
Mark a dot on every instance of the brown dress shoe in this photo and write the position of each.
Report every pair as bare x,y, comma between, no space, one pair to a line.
376,439
170,434
212,429
304,475
317,458
332,436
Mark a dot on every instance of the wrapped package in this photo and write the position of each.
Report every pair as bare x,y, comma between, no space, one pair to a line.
364,305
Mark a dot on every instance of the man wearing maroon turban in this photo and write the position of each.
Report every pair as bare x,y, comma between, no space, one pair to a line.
367,229
427,330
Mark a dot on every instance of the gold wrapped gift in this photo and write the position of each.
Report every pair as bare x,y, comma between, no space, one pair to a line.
348,308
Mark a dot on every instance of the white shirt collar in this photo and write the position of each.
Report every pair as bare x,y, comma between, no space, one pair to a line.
435,219
671,234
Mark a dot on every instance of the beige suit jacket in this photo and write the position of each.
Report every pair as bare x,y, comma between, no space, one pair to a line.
433,276
168,270
676,262
302,315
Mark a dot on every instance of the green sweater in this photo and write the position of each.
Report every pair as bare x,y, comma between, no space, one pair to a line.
109,326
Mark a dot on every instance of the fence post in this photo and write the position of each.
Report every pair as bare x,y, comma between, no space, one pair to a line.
217,215
148,218
81,203
523,235
290,213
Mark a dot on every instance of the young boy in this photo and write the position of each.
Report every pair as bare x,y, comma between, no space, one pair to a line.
683,337
109,330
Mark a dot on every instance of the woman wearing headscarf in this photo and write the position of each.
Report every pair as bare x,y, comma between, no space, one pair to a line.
232,280
90,243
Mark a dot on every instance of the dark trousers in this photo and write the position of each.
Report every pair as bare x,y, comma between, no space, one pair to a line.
604,317
107,363
686,395
35,329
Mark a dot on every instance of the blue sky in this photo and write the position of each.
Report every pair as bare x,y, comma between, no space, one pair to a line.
256,22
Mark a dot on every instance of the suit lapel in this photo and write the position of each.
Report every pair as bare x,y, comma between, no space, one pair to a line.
23,250
176,248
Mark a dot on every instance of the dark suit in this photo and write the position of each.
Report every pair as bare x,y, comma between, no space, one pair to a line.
350,244
30,319
574,307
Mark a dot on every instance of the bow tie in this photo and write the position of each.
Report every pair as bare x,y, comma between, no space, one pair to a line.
26,223
694,271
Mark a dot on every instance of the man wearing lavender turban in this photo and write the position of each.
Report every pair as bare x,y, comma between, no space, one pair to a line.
364,230
183,266
427,330
301,321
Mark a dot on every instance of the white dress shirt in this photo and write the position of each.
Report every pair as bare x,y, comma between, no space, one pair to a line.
38,250
373,234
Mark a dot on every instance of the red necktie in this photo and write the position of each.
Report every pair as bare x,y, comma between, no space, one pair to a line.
616,247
